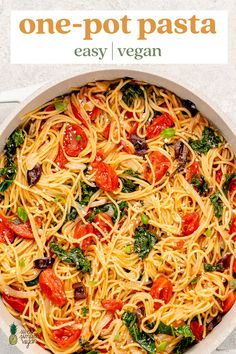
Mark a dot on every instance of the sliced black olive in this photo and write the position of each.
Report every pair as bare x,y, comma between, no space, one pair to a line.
190,106
225,260
80,291
43,263
140,145
34,175
181,152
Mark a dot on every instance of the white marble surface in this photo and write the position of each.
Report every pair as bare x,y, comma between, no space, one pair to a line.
216,82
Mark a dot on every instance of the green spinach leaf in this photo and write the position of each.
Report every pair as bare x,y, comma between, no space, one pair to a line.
217,204
144,241
209,140
228,178
130,92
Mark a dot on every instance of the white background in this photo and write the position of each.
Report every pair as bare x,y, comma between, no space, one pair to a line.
218,82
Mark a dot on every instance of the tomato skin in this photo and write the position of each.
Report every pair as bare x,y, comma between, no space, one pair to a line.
180,245
219,175
161,289
197,330
234,266
60,159
50,108
229,302
82,230
112,305
160,164
158,124
99,155
22,230
16,303
52,287
232,186
192,170
67,335
104,222
127,148
190,223
105,177
73,147
232,229
133,129
78,115
106,131
94,113
5,231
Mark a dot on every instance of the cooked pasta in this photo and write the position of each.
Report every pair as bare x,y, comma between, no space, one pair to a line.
117,223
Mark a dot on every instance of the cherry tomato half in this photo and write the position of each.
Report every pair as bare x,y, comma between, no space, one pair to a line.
197,330
232,229
229,302
75,140
52,287
82,230
106,131
60,159
192,170
104,222
16,303
67,335
5,231
112,305
161,289
190,223
78,115
160,164
22,230
105,177
158,124
219,175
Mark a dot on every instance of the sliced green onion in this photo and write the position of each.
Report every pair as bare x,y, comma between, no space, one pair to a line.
117,337
60,105
194,280
21,263
144,219
59,198
127,249
22,213
38,330
168,133
78,137
92,282
232,284
208,233
162,346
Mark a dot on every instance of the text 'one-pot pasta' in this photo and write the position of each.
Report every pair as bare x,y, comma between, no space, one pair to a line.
117,225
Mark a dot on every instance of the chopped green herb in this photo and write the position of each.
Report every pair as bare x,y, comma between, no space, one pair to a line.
144,241
162,346
232,284
85,311
131,172
212,268
32,282
128,186
72,215
168,133
22,213
228,178
208,233
127,249
38,330
92,282
86,193
21,263
117,337
145,340
130,92
78,137
217,204
209,140
74,256
59,198
194,280
144,219
60,106
200,183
